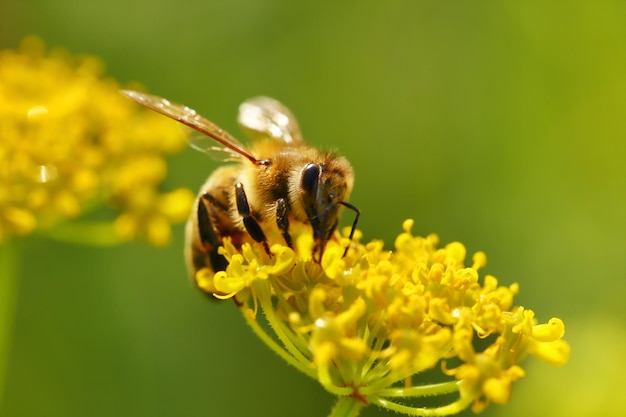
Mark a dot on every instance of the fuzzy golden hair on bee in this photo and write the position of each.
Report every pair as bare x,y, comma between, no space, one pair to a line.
279,180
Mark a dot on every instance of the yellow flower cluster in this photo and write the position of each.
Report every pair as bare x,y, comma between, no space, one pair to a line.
363,325
69,142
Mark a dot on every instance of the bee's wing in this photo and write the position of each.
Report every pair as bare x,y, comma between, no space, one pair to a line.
189,117
266,117
207,145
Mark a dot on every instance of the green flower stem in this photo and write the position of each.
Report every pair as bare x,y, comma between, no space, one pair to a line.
289,350
9,279
346,407
85,233
382,381
418,390
268,309
323,376
376,344
297,338
271,343
446,410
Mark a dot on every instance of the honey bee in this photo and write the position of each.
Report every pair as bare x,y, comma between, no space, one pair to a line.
279,180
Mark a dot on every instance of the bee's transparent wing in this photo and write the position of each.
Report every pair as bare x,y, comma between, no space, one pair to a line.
189,117
206,145
266,117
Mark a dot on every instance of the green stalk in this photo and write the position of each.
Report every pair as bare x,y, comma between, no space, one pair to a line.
417,390
269,342
445,410
346,407
9,278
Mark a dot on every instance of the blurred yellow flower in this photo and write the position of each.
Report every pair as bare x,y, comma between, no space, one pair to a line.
363,325
69,142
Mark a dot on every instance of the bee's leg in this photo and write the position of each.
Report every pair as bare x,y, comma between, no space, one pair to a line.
282,221
207,235
206,232
202,239
357,214
252,226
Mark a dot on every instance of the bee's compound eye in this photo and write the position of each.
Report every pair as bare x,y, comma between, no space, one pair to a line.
310,177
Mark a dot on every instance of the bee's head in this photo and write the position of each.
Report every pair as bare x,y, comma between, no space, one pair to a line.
324,187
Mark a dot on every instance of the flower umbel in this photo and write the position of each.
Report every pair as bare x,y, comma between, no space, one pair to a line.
366,324
69,142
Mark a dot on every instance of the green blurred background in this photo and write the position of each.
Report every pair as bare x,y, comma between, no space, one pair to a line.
498,124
